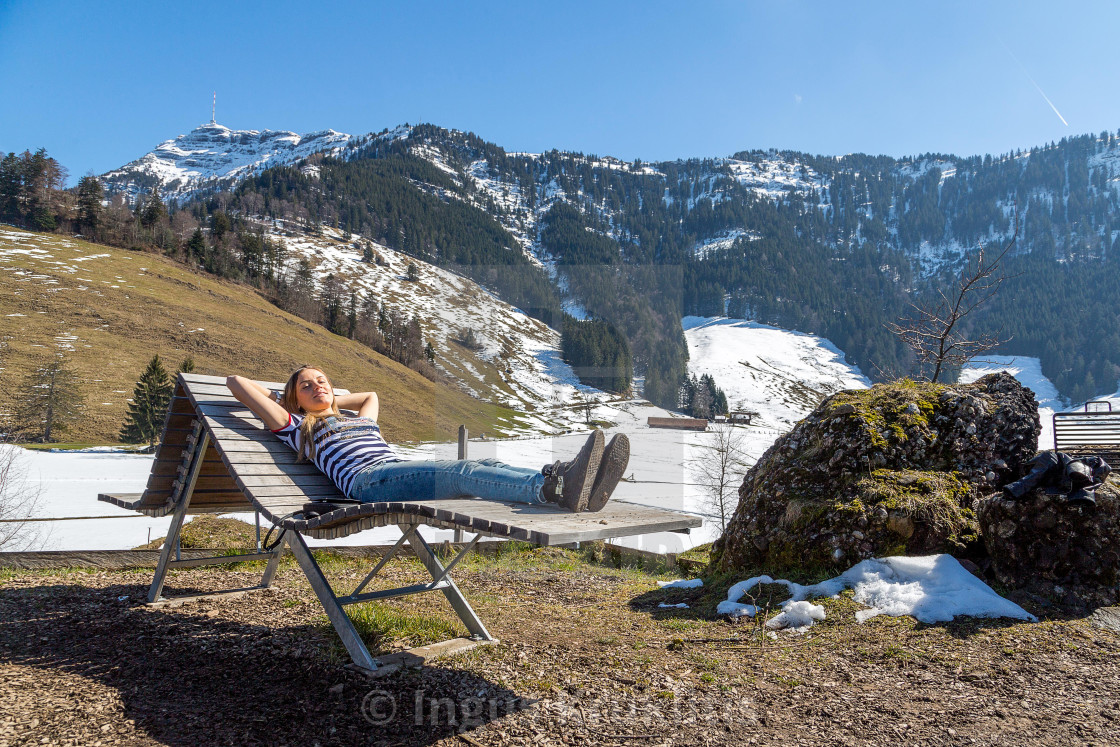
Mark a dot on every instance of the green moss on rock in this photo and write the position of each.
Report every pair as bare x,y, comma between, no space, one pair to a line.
893,469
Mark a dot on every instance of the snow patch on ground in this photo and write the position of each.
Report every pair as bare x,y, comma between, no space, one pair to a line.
723,240
931,588
774,177
681,583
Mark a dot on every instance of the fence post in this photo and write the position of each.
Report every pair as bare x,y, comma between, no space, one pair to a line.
458,536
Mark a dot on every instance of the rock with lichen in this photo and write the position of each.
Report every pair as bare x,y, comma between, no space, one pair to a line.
891,470
1043,545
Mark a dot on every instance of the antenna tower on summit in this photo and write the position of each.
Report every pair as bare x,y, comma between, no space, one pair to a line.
214,109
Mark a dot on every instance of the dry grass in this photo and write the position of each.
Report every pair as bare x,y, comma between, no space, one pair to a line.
117,311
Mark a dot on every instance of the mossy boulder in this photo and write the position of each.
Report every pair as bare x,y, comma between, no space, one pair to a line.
1043,545
891,470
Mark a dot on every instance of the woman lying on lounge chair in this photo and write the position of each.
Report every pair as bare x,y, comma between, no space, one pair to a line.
353,454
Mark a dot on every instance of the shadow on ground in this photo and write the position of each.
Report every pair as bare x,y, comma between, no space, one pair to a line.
189,679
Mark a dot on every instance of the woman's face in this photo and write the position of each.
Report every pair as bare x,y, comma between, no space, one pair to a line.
313,390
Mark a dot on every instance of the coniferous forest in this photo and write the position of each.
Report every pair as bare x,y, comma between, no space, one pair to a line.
832,246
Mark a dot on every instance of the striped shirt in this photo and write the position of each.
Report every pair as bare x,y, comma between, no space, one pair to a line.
343,446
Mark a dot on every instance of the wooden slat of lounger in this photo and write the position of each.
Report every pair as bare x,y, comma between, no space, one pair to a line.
221,410
294,470
230,440
274,481
217,400
181,406
545,525
238,458
265,492
221,481
207,498
194,378
175,438
203,501
241,424
131,501
218,389
228,435
210,466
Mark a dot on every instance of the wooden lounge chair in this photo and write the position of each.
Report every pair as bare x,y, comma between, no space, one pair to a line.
215,456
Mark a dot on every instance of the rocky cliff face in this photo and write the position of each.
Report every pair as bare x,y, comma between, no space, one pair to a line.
895,469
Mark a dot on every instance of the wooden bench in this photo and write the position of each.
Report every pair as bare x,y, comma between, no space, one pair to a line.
1095,430
215,456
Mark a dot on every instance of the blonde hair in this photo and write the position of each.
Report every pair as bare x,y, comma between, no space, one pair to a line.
311,421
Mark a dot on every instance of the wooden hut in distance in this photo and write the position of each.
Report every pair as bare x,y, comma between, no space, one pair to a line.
688,424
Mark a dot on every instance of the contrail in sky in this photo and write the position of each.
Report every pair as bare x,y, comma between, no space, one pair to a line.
1043,93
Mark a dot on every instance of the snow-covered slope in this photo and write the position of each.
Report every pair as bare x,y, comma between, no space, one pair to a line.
213,155
780,375
518,364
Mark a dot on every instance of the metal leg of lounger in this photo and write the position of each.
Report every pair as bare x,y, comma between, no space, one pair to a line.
381,564
202,441
454,597
273,564
338,617
155,593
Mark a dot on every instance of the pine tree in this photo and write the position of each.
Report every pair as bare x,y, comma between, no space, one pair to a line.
89,203
51,401
149,405
154,210
196,246
352,315
187,365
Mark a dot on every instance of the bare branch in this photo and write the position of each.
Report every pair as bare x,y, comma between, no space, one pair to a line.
934,334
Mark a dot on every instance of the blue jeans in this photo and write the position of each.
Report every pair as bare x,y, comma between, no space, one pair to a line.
422,479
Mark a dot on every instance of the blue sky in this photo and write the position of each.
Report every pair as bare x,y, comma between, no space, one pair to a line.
99,84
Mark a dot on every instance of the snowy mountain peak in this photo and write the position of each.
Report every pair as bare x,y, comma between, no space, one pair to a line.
213,155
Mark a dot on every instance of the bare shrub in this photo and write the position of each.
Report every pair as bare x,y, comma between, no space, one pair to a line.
720,469
19,498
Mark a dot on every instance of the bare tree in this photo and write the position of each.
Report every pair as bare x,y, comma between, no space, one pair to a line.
720,469
586,403
18,498
935,332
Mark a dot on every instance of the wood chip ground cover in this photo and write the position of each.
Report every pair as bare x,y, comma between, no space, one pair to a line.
586,657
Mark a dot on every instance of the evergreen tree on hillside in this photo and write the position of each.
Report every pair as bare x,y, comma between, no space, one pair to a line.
196,247
50,401
11,181
148,408
90,195
701,398
154,210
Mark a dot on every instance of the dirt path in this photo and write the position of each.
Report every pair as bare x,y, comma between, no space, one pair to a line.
587,658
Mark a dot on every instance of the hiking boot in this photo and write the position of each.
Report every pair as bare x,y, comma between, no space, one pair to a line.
615,458
569,483
1083,498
